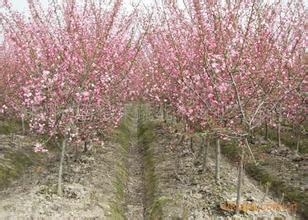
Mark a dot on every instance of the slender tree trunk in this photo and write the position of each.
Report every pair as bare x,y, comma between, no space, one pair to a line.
282,198
239,183
191,144
139,112
243,169
12,137
181,139
250,136
60,190
266,129
278,130
205,153
145,113
250,151
217,160
76,152
298,139
266,192
23,125
164,112
85,147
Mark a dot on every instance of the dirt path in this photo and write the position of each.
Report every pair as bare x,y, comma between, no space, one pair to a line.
135,185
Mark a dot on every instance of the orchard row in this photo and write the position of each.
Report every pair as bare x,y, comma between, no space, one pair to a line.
225,67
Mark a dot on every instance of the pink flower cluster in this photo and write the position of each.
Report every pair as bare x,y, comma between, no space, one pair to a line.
39,148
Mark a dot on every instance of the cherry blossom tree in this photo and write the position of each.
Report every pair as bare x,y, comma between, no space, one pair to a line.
226,65
73,64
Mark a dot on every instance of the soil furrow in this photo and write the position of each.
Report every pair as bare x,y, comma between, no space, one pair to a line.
135,185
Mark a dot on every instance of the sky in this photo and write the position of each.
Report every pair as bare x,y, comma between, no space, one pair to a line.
22,5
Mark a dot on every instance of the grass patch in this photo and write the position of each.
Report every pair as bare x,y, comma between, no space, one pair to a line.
10,126
147,136
13,164
121,136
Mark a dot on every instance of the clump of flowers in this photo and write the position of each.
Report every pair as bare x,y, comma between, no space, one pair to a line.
38,147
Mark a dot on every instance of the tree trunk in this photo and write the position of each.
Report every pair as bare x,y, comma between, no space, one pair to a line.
85,147
266,129
23,125
205,153
181,139
282,198
164,113
250,151
139,112
252,136
60,190
191,144
266,192
145,112
217,160
298,139
239,183
278,130
76,152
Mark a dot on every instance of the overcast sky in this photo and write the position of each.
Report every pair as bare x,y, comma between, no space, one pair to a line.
22,5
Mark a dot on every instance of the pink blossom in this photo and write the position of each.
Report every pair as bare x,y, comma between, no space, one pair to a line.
210,96
39,148
223,87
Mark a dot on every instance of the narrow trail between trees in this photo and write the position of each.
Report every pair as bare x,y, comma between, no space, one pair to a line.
135,185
